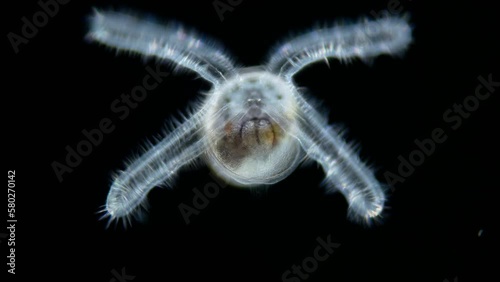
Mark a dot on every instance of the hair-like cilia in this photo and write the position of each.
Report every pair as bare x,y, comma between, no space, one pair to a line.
254,127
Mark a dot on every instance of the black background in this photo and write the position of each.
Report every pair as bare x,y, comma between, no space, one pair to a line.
59,84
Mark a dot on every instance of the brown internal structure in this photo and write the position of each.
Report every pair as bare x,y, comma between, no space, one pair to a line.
254,137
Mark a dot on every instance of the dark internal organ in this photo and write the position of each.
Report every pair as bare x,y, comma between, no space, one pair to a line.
252,138
257,133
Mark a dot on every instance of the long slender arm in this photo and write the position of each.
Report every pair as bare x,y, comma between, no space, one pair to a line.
171,42
363,40
157,166
344,170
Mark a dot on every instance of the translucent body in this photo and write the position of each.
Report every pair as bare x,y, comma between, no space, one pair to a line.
251,128
254,127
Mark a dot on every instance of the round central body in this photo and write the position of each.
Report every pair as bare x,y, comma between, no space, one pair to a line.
250,129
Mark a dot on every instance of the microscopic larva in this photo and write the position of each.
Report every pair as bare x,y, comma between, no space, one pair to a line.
254,127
